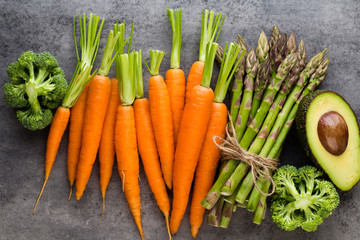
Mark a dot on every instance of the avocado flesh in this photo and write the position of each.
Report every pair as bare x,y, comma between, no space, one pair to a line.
344,169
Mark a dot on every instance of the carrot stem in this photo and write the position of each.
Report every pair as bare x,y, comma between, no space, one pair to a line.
209,30
156,57
209,64
175,17
228,66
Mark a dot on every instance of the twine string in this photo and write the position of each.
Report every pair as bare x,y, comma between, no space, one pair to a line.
261,167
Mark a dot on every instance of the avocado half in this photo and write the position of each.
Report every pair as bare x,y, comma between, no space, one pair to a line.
329,132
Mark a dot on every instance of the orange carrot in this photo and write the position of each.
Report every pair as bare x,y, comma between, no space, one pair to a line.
147,147
192,132
175,77
107,142
96,107
161,117
75,136
125,137
210,153
207,165
194,77
89,43
208,32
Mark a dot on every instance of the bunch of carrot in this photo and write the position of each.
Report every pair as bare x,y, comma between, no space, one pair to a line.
173,131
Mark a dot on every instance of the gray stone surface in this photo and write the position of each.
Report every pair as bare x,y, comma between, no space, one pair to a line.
47,26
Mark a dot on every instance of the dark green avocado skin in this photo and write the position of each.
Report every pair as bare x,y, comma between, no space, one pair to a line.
301,126
301,122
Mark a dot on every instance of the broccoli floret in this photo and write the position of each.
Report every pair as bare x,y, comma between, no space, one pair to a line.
15,95
302,198
33,120
17,73
58,71
54,100
38,85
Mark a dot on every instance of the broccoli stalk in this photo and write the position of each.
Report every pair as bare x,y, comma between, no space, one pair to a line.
302,198
38,85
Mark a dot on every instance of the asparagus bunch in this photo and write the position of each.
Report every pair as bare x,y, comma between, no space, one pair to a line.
229,174
274,104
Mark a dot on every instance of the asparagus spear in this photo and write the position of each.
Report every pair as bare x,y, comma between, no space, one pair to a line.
291,44
262,53
316,79
226,214
279,52
214,214
245,107
262,49
227,211
288,63
275,35
261,82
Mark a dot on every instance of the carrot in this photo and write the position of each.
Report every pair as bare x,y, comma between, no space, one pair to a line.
192,132
175,77
125,137
147,146
208,32
161,117
210,154
107,142
75,136
89,43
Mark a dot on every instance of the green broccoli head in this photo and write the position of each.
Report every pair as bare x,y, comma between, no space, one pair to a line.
34,120
302,198
53,100
38,85
15,95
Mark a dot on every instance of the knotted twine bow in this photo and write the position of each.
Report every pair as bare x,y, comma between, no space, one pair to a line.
260,166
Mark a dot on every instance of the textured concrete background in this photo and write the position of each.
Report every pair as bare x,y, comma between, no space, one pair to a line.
47,26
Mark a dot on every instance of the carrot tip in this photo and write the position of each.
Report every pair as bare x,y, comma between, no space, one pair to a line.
71,187
168,225
78,196
194,231
42,189
103,210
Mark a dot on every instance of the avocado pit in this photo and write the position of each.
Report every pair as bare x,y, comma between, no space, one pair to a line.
333,132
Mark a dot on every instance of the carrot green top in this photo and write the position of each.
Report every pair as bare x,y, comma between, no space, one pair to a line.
227,70
127,62
209,64
120,45
89,45
209,30
156,57
108,59
139,88
175,17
